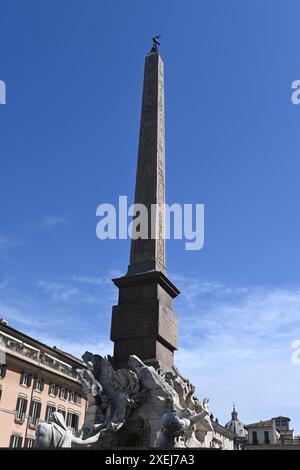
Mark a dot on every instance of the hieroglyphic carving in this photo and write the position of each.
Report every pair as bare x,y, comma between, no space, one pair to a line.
160,250
150,180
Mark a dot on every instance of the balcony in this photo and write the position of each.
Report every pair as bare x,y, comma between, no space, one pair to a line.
58,365
17,346
34,354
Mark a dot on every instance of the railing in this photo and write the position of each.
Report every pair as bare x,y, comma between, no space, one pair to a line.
36,355
19,347
57,365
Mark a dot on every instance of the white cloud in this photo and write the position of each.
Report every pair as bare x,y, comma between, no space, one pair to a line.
96,345
235,340
50,221
67,293
14,314
7,242
236,346
94,281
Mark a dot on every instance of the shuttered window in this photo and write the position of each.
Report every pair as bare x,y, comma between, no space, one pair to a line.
39,384
2,370
20,409
53,389
49,410
15,441
35,412
25,379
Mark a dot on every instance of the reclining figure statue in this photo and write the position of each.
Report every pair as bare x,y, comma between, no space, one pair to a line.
175,430
56,435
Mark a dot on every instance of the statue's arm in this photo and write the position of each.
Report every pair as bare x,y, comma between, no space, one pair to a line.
195,418
86,442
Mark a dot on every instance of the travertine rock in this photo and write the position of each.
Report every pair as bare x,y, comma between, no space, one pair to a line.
127,404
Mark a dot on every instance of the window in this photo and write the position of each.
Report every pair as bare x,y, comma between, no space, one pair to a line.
254,437
25,379
15,441
267,437
29,442
63,393
49,410
2,371
281,423
53,390
72,420
20,409
35,412
62,411
78,399
39,384
72,397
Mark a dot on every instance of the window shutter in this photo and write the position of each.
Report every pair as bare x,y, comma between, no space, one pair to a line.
42,384
20,440
76,421
11,440
18,404
66,393
69,420
29,380
25,407
3,370
31,409
38,414
21,377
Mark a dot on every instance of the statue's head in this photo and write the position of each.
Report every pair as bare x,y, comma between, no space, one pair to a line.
58,418
172,424
135,363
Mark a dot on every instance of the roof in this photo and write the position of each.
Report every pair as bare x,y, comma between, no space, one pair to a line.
282,417
235,425
261,424
222,430
13,331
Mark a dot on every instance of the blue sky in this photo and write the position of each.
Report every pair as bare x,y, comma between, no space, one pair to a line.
68,142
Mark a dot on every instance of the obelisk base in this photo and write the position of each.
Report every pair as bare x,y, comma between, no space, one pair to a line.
143,322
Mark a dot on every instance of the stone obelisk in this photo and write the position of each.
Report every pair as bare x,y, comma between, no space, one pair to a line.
143,322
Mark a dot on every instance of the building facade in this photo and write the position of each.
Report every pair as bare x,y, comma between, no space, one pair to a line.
35,380
221,438
274,433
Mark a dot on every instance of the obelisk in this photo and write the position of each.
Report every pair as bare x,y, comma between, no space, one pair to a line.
143,322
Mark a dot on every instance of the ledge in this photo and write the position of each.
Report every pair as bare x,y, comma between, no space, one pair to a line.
149,277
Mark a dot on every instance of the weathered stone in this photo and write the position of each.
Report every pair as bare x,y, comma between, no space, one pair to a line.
133,399
143,322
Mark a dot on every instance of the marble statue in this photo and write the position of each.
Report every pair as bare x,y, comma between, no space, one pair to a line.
55,434
176,431
141,404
